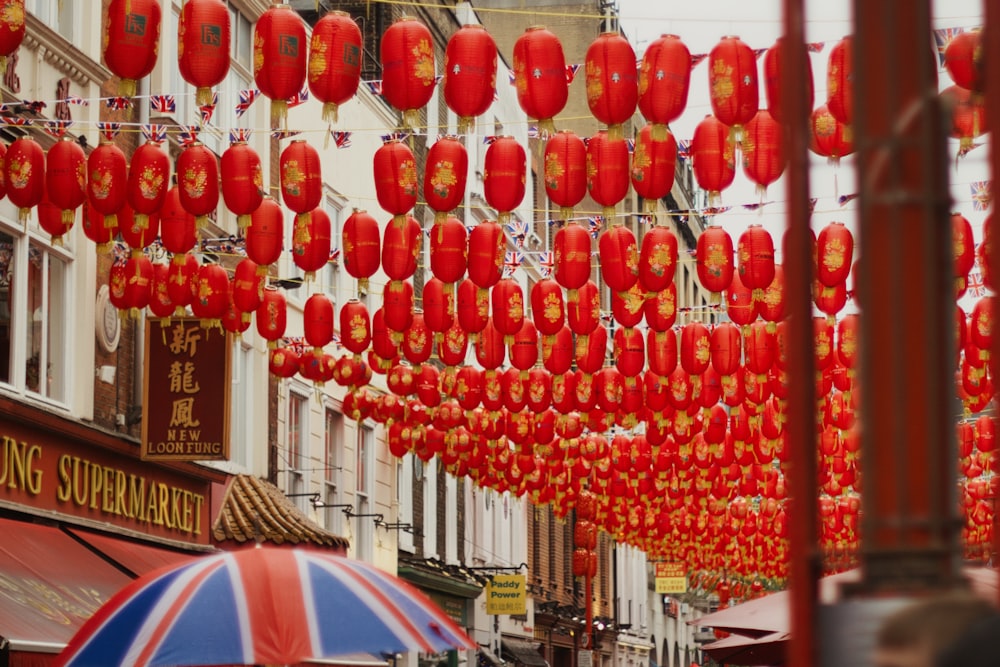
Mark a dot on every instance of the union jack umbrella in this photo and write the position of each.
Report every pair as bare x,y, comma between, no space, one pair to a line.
261,606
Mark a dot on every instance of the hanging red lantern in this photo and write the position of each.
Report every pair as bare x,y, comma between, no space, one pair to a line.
696,348
242,181
138,238
524,347
148,180
439,307
848,337
584,313
981,324
548,311
963,58
50,220
470,66
504,176
571,256
755,259
732,80
397,301
630,351
301,178
963,245
487,245
740,302
383,346
336,51
198,181
834,254
473,307
178,232
131,41
444,176
657,259
107,179
24,174
180,281
401,248
449,251
160,304
771,306
508,308
612,81
840,82
311,242
653,165
395,178
968,115
714,259
248,285
830,300
627,308
265,234
203,44
355,327
454,345
490,348
823,344
660,310
828,137
233,320
279,57
271,315
12,29
361,246
607,172
726,348
65,177
759,348
138,284
418,341
619,255
773,59
714,157
408,74
590,353
317,321
540,76
557,355
763,152
565,171
211,295
664,78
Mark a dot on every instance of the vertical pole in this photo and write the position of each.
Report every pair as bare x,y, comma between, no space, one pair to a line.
992,64
910,525
805,564
588,633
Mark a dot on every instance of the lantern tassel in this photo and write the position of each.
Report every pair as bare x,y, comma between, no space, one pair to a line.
58,241
203,96
142,221
126,87
411,118
279,112
546,128
609,214
23,215
465,124
243,221
658,132
201,222
566,212
110,221
330,113
615,132
651,205
439,218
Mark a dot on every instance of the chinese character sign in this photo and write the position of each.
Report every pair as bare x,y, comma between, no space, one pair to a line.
671,577
186,392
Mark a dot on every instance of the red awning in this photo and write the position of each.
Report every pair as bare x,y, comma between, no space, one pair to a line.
50,585
133,556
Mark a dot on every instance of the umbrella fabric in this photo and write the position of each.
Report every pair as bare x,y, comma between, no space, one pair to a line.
260,606
737,650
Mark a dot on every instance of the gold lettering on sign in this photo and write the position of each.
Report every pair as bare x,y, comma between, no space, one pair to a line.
17,467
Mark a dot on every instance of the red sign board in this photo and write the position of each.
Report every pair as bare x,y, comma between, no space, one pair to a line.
186,392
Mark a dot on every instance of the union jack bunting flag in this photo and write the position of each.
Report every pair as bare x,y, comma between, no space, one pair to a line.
206,111
247,98
240,134
56,128
298,98
35,106
546,263
334,255
571,71
594,225
756,206
942,37
284,134
982,194
532,131
74,99
374,86
631,145
812,204
510,77
188,134
109,130
815,47
684,149
511,261
518,231
162,103
437,79
489,139
155,133
341,139
757,53
715,210
843,200
21,122
398,136
975,285
118,103
965,150
697,58
645,219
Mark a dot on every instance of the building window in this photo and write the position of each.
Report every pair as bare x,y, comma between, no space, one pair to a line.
364,480
298,438
334,448
241,409
57,14
331,274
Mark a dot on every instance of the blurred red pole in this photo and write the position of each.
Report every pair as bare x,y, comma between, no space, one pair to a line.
991,44
805,564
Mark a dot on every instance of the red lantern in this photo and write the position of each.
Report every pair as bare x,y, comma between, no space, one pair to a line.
148,181
178,232
242,181
726,348
740,302
198,181
132,40
180,281
317,321
473,307
487,245
571,257
265,234
607,171
834,254
408,74
763,153
584,313
524,347
759,348
395,178
211,294
590,353
696,348
311,242
490,350
271,315
657,259
660,310
755,255
279,57
732,81
401,248
823,344
361,246
418,340
557,355
653,165
773,59
138,284
159,298
981,324
968,115
508,308
547,307
630,352
398,306
139,238
24,174
439,307
829,137
714,157
66,177
714,259
444,177
449,251
248,285
12,29
355,327
565,171
334,65
107,177
504,176
848,337
840,81
771,306
453,346
470,66
301,177
612,81
963,58
540,76
382,345
628,308
619,258
664,77
50,220
203,45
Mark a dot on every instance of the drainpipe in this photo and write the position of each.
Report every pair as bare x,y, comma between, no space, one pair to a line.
139,339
